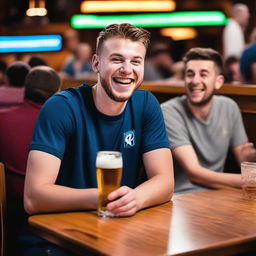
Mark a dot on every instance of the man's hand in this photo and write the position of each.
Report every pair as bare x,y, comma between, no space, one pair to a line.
248,152
123,202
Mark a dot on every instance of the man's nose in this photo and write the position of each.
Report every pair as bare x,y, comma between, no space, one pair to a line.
196,79
126,68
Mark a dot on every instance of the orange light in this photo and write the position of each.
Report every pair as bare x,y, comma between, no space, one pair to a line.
36,8
127,6
179,33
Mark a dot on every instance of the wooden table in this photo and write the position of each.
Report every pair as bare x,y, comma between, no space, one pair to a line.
218,222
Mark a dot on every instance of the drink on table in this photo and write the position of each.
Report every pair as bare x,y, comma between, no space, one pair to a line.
109,166
248,170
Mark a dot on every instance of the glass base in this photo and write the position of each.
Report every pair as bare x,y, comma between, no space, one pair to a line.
105,214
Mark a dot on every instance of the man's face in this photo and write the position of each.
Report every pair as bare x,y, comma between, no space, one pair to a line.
201,80
120,65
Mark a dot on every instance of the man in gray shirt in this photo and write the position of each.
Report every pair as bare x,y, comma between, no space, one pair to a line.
202,127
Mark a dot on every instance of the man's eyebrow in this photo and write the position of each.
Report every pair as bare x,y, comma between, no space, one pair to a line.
201,70
204,70
116,55
120,55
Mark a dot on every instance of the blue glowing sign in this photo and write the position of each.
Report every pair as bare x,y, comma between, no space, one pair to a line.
35,43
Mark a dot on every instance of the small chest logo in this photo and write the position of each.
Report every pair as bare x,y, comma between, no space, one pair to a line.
129,139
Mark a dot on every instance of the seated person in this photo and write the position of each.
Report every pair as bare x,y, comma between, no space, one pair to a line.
202,127
16,129
248,61
232,72
109,115
12,92
159,63
79,67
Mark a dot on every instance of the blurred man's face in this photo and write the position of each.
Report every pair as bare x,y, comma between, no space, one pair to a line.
201,80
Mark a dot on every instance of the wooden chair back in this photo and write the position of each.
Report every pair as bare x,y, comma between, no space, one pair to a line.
2,210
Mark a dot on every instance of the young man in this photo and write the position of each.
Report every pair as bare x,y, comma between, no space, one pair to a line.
110,115
202,127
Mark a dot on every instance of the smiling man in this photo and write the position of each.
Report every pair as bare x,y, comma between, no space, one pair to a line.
110,115
202,127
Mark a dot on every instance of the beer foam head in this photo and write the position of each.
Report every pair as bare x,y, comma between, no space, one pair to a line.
109,161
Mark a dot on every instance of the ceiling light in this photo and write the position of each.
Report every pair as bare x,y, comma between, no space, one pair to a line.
179,33
36,8
127,6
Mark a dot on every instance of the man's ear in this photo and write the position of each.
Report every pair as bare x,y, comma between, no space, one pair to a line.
219,82
95,63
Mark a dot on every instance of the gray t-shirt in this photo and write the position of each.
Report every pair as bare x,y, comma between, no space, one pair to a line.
210,138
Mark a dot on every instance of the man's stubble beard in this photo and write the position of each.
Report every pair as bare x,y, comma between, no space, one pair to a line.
109,92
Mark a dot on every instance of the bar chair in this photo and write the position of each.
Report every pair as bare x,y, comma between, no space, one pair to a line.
2,210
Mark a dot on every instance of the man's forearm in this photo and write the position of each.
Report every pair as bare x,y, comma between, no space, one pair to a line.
53,198
156,190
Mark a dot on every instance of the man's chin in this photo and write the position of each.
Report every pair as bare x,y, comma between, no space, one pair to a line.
121,98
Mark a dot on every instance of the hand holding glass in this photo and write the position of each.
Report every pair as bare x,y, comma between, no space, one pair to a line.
109,166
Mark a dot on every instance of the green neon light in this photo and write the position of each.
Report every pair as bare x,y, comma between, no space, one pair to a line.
175,19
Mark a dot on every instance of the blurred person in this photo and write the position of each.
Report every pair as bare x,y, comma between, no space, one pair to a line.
202,127
109,115
3,67
16,129
80,65
71,40
233,33
178,74
159,63
12,92
232,72
248,61
37,60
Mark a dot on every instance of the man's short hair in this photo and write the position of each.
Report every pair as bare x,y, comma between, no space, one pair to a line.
16,73
37,60
124,30
198,53
41,83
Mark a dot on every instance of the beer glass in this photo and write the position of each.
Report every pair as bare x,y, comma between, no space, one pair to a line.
109,166
248,170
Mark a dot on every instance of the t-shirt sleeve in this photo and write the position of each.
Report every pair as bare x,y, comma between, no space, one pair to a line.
154,132
53,128
175,124
239,135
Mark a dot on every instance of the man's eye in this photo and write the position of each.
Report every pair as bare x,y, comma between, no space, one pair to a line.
116,59
136,62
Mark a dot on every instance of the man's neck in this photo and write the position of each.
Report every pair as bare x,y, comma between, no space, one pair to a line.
104,104
201,112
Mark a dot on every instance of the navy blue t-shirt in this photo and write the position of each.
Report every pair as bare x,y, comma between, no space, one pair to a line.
71,128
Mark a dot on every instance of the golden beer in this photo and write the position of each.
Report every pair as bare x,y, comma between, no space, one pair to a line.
109,173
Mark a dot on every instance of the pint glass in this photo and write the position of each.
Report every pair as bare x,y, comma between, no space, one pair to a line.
248,170
109,166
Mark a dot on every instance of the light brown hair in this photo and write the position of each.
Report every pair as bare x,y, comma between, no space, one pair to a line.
124,30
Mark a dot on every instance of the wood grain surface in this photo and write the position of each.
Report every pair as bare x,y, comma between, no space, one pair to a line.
217,222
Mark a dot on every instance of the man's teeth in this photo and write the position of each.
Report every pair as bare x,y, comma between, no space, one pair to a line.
123,80
197,90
